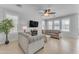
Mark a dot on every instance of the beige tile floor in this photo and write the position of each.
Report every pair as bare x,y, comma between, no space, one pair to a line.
53,46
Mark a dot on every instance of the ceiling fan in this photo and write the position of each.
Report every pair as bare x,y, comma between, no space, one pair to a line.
48,12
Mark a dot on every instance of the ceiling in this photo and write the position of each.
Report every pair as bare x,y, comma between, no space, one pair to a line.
61,9
34,9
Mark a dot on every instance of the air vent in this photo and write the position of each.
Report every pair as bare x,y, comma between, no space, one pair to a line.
18,5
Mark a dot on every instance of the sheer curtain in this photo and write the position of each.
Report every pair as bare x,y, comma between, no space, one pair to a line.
15,22
43,25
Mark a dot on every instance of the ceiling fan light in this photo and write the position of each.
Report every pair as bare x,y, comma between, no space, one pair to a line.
46,14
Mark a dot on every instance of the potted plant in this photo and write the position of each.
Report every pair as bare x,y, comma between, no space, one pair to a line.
5,26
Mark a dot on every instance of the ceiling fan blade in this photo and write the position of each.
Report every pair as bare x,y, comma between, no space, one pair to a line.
45,11
52,13
49,10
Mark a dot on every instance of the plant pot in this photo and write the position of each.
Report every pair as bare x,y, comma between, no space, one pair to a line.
6,42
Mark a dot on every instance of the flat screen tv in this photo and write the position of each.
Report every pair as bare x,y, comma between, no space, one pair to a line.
33,23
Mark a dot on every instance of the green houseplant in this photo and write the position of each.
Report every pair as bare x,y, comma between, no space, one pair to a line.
5,26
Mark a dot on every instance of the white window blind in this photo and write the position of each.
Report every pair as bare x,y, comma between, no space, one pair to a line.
50,25
56,25
65,24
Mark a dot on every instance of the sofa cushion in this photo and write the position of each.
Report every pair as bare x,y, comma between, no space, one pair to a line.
33,38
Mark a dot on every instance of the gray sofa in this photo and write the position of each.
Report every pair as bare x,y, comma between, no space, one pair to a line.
53,33
30,44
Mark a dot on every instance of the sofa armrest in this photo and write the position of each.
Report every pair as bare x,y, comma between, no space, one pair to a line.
23,42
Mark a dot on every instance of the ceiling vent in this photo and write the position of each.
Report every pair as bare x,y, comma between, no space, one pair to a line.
18,5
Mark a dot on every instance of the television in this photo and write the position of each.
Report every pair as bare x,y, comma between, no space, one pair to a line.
33,23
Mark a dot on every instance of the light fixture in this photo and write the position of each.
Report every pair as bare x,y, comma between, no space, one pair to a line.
48,12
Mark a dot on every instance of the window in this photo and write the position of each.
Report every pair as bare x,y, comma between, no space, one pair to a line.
43,25
15,22
50,25
65,24
56,25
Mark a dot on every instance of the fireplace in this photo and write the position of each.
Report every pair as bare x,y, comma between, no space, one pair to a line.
34,32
